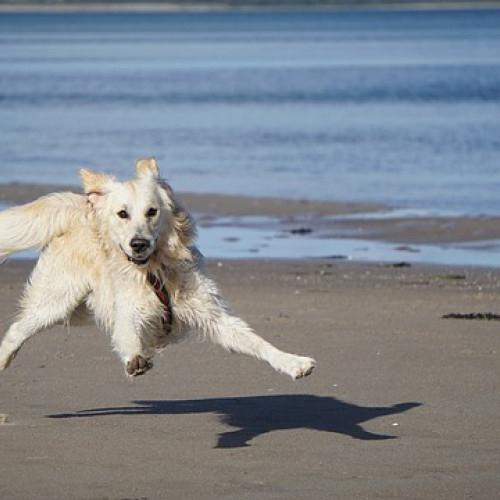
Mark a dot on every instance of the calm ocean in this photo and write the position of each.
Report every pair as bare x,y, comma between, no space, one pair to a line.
401,108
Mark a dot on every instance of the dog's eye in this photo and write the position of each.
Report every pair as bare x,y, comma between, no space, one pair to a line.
123,214
152,212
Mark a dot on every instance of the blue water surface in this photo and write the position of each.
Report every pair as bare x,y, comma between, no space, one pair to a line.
401,108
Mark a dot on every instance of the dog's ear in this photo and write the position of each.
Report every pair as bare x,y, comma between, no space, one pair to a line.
95,185
147,167
166,187
181,237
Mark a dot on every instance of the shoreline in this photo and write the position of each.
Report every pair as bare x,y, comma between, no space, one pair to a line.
215,203
240,228
325,219
179,7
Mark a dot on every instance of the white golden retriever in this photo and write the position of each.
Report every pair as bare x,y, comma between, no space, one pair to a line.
124,252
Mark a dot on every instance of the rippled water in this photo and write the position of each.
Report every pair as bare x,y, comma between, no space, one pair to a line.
400,108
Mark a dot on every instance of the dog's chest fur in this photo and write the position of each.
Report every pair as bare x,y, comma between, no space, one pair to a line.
147,292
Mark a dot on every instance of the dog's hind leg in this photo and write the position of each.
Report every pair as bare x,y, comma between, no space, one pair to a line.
49,298
13,340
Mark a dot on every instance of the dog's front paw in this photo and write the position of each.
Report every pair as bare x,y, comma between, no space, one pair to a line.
138,365
304,367
293,365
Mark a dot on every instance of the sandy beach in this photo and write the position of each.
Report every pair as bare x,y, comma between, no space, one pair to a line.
402,405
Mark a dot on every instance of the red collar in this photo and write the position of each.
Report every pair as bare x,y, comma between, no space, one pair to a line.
163,297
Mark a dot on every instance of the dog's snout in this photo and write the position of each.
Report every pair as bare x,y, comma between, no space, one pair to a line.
139,245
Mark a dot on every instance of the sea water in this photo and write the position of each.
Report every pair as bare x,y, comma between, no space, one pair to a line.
401,108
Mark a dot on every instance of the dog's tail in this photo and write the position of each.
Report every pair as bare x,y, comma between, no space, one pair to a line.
34,225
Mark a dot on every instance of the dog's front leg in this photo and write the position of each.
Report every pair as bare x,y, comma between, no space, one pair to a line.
208,313
235,335
126,338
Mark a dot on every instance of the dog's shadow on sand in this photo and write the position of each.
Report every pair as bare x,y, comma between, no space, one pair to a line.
256,415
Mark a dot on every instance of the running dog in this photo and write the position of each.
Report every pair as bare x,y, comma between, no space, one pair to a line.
124,252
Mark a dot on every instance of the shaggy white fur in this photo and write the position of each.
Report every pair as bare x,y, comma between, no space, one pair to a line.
97,252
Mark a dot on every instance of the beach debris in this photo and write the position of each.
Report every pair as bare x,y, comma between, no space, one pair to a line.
3,419
452,276
301,230
488,316
398,264
407,248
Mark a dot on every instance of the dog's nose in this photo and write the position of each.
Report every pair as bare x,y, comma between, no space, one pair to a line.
139,245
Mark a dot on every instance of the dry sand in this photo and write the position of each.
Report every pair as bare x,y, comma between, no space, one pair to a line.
403,404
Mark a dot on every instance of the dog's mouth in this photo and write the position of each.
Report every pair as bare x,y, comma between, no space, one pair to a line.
138,261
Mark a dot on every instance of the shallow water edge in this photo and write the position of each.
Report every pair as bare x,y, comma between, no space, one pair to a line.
234,227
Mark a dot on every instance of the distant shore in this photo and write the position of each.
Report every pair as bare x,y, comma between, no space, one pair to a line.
243,6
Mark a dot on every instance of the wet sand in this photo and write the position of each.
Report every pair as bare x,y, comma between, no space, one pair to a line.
326,218
403,403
